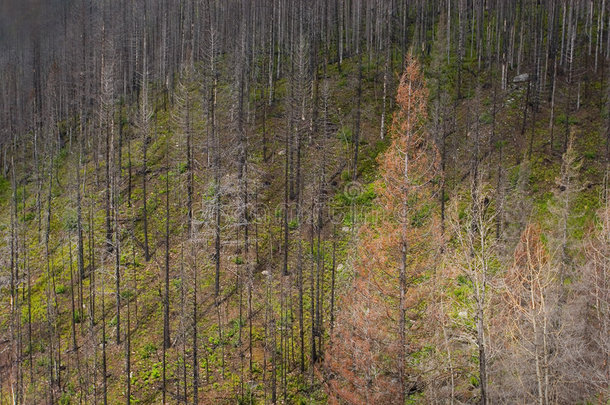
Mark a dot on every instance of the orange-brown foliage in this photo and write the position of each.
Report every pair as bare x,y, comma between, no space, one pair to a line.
361,362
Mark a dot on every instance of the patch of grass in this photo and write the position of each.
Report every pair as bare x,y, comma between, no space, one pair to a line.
293,225
359,196
368,163
585,207
561,120
485,118
345,135
148,350
5,186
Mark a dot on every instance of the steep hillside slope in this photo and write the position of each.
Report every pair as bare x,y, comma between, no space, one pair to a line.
394,204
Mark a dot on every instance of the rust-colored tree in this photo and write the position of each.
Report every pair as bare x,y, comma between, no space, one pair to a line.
530,297
380,315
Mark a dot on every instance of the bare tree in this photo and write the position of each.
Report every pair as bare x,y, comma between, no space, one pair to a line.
474,261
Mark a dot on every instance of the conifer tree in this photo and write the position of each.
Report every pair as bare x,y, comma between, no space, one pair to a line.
380,315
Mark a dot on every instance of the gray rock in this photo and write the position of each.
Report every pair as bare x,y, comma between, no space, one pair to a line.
523,77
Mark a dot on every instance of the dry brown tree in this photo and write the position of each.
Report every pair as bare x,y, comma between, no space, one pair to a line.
380,316
529,299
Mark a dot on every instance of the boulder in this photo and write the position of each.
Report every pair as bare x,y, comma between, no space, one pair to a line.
523,77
